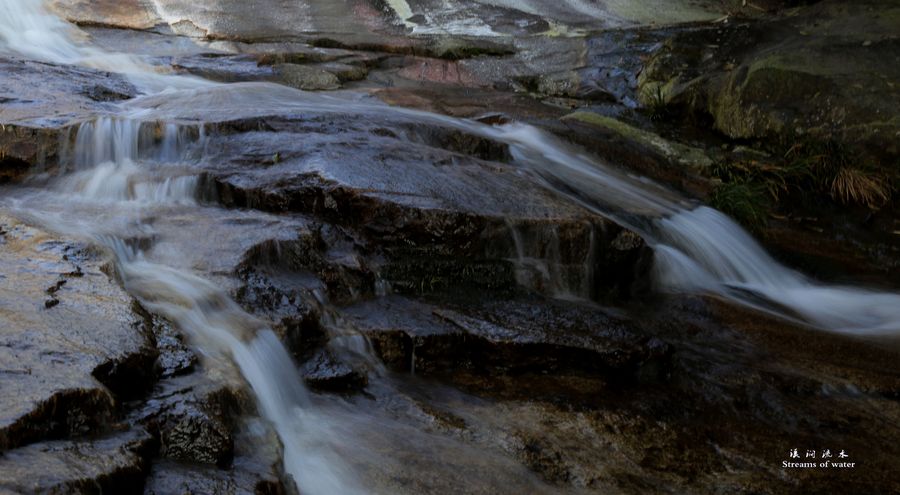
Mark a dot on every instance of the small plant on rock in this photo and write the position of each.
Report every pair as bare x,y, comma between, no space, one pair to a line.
744,201
655,103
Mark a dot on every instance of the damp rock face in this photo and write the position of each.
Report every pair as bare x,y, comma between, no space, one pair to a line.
507,337
255,468
115,463
829,72
333,218
39,102
444,206
72,343
193,417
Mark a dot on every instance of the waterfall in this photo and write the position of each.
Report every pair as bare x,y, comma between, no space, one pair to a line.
134,157
124,158
702,249
27,29
211,319
698,249
720,257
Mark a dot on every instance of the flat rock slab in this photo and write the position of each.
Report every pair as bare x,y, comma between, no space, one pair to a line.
370,156
113,464
512,336
40,94
38,102
68,334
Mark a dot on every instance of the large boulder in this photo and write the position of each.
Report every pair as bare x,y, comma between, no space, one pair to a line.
829,71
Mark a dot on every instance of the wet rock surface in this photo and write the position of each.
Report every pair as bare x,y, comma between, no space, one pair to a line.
525,354
825,71
116,463
38,101
82,411
724,384
517,336
63,362
425,216
173,478
193,418
50,95
324,372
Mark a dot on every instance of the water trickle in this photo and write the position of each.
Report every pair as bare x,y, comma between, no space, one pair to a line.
119,139
106,139
133,157
123,159
213,321
587,279
703,249
28,29
541,266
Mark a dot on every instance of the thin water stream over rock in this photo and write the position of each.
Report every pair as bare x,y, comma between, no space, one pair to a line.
235,287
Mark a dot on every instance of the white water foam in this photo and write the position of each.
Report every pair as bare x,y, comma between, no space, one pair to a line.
702,249
213,321
27,29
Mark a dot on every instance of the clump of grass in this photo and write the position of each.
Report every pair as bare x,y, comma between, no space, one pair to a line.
655,103
853,185
810,171
833,170
744,201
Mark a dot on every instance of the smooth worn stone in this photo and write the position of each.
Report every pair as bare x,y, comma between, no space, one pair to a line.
226,68
115,463
40,95
38,103
64,365
306,77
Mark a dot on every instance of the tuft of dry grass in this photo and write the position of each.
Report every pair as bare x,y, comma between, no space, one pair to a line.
853,185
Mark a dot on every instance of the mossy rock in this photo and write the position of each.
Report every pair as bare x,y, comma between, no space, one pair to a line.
678,153
829,71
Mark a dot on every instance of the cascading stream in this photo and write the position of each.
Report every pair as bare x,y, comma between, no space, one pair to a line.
27,29
212,320
115,160
133,167
698,249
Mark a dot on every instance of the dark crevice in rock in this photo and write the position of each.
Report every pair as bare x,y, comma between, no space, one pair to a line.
12,169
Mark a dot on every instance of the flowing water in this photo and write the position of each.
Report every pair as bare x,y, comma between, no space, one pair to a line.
124,171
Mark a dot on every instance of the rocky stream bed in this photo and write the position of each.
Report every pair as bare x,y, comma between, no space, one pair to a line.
373,246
